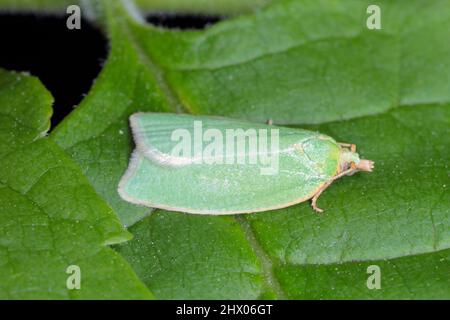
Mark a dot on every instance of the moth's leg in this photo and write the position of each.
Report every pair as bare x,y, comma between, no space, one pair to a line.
317,195
351,146
326,185
269,122
352,169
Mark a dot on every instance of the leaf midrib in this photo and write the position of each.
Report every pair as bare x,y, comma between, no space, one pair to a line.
267,264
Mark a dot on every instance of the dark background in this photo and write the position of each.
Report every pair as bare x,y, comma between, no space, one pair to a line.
66,61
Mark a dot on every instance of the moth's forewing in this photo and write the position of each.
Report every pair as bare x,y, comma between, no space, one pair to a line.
158,178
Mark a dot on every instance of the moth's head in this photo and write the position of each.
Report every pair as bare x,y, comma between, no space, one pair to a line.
349,159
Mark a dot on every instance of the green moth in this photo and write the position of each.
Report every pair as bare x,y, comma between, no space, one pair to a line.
214,165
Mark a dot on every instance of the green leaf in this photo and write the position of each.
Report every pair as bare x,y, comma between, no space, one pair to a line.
18,95
201,6
398,212
177,6
308,63
50,216
404,278
274,64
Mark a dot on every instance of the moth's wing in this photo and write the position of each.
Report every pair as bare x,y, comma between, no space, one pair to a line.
157,134
153,134
306,160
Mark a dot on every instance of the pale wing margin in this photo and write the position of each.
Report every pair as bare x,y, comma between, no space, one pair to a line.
149,150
